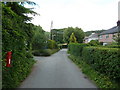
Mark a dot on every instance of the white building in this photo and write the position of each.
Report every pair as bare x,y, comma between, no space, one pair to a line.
93,36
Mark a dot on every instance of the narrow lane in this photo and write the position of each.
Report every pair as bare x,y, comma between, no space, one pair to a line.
56,71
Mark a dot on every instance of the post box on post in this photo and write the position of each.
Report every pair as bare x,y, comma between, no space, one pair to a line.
8,59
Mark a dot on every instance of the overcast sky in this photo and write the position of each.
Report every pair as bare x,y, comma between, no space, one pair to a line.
86,14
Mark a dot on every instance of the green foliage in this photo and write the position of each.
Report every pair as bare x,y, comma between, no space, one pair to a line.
104,60
51,44
78,32
57,35
47,34
21,67
94,42
101,80
112,46
39,38
72,38
117,38
17,37
76,48
45,52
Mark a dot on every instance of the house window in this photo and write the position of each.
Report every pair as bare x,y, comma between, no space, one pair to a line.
107,36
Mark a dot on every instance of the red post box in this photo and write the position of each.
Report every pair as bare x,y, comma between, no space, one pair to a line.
8,59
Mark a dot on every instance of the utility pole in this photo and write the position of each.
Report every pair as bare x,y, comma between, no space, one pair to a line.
51,34
119,11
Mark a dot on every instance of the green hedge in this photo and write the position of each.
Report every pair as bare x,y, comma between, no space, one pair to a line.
113,46
76,48
103,60
17,36
20,68
51,44
44,52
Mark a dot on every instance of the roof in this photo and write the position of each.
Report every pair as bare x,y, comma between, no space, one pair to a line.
95,35
115,29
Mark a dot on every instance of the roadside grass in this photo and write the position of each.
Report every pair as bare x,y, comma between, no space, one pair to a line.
100,80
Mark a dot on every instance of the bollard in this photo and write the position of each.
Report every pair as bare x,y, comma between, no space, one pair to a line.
8,59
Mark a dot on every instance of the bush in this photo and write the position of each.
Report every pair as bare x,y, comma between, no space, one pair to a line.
94,42
102,59
51,44
44,52
101,80
17,36
113,46
60,46
21,67
76,48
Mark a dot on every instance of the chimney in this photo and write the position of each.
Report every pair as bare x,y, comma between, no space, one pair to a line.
118,23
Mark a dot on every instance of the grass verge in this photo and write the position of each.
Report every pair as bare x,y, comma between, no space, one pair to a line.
100,80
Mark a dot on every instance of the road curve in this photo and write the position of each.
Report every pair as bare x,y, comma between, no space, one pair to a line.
56,71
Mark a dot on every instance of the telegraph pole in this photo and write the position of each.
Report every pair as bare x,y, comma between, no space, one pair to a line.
51,36
119,11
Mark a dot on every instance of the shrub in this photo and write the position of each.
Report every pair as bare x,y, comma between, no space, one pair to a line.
44,52
60,46
113,46
101,80
21,67
104,60
17,36
72,38
51,44
76,48
94,42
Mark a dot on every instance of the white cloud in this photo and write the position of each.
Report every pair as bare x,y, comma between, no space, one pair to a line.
85,14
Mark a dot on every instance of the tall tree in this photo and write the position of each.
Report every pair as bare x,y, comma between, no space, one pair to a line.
17,37
39,38
72,38
78,32
57,35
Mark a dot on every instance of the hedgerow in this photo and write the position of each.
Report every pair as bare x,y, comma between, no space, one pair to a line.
76,48
113,46
44,52
19,70
102,59
17,37
51,44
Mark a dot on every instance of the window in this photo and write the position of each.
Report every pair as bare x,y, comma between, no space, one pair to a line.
107,36
100,36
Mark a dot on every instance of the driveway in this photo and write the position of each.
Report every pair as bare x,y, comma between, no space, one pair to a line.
56,71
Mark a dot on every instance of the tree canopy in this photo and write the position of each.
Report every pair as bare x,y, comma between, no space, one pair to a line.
72,38
17,36
78,32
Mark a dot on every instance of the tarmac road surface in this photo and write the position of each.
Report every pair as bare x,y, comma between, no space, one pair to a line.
56,71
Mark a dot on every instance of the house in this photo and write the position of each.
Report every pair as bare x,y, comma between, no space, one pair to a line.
86,40
93,36
108,36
